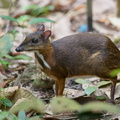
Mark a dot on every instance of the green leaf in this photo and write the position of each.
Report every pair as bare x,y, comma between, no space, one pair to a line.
18,57
22,57
42,10
9,57
37,10
89,90
100,98
115,72
7,116
99,106
5,44
6,102
102,83
21,115
1,89
23,18
29,7
51,7
9,18
82,81
62,104
14,31
40,20
5,63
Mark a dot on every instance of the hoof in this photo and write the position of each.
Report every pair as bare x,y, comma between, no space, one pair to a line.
112,102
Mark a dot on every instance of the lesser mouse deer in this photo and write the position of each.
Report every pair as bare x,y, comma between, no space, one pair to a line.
75,55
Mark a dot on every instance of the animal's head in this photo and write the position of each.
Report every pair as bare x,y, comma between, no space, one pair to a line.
35,41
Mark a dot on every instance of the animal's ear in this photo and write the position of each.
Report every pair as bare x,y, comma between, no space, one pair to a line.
47,34
41,28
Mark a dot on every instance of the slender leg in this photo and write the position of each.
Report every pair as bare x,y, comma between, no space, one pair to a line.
61,86
113,91
56,87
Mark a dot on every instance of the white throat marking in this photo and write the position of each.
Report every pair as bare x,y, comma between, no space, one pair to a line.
42,58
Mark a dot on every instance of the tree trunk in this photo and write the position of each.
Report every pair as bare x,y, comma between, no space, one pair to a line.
118,8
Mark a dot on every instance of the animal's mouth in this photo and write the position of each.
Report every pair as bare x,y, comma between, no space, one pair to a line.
19,49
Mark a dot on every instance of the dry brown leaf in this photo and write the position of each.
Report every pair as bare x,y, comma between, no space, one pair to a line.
2,69
22,93
28,105
22,99
79,7
2,85
102,6
73,93
103,29
15,93
2,77
61,20
117,91
16,104
65,30
115,21
9,92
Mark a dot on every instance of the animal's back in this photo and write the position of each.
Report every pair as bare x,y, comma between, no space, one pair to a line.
87,54
75,55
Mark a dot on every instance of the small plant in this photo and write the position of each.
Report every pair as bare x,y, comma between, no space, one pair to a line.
20,21
3,100
6,40
6,102
37,10
6,115
58,105
6,45
115,72
90,89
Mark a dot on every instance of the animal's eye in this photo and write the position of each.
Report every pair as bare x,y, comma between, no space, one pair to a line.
34,40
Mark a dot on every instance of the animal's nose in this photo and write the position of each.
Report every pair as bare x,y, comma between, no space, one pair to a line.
18,49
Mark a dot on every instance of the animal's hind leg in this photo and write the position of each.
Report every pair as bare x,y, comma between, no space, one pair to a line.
112,93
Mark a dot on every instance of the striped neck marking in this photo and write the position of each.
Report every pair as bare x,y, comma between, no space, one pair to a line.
43,60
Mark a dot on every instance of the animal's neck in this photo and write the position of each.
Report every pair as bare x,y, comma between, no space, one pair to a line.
46,56
47,52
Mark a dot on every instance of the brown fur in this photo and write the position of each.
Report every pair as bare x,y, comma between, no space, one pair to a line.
74,54
77,55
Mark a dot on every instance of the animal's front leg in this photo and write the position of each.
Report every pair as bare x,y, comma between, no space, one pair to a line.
61,87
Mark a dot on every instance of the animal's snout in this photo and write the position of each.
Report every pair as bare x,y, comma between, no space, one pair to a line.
18,49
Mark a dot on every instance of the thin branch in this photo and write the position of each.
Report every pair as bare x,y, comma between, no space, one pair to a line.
9,12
